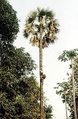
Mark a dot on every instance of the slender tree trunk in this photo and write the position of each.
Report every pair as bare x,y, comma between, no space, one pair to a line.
66,106
0,49
41,78
73,83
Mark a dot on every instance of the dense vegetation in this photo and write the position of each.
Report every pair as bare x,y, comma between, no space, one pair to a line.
19,90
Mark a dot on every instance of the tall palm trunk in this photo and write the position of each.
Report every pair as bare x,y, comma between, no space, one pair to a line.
73,83
41,78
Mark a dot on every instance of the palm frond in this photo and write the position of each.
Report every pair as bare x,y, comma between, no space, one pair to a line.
32,17
34,14
34,40
37,43
25,34
41,12
49,14
44,44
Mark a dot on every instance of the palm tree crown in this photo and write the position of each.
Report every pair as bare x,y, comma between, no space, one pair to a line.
49,27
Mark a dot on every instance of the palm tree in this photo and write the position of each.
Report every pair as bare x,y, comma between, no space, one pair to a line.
42,29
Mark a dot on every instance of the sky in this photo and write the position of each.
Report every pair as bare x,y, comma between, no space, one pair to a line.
66,11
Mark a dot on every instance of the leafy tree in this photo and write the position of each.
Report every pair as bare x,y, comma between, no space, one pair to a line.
19,90
16,66
14,87
8,28
8,22
19,99
42,29
20,62
66,88
68,55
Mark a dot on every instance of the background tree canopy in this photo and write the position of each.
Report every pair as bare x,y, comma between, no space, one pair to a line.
8,22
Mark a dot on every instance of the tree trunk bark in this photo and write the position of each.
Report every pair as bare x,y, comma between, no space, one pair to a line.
41,73
73,83
66,106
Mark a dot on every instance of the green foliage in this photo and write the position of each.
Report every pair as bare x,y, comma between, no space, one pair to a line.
21,63
19,99
15,86
8,28
8,22
19,90
48,112
67,55
65,89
